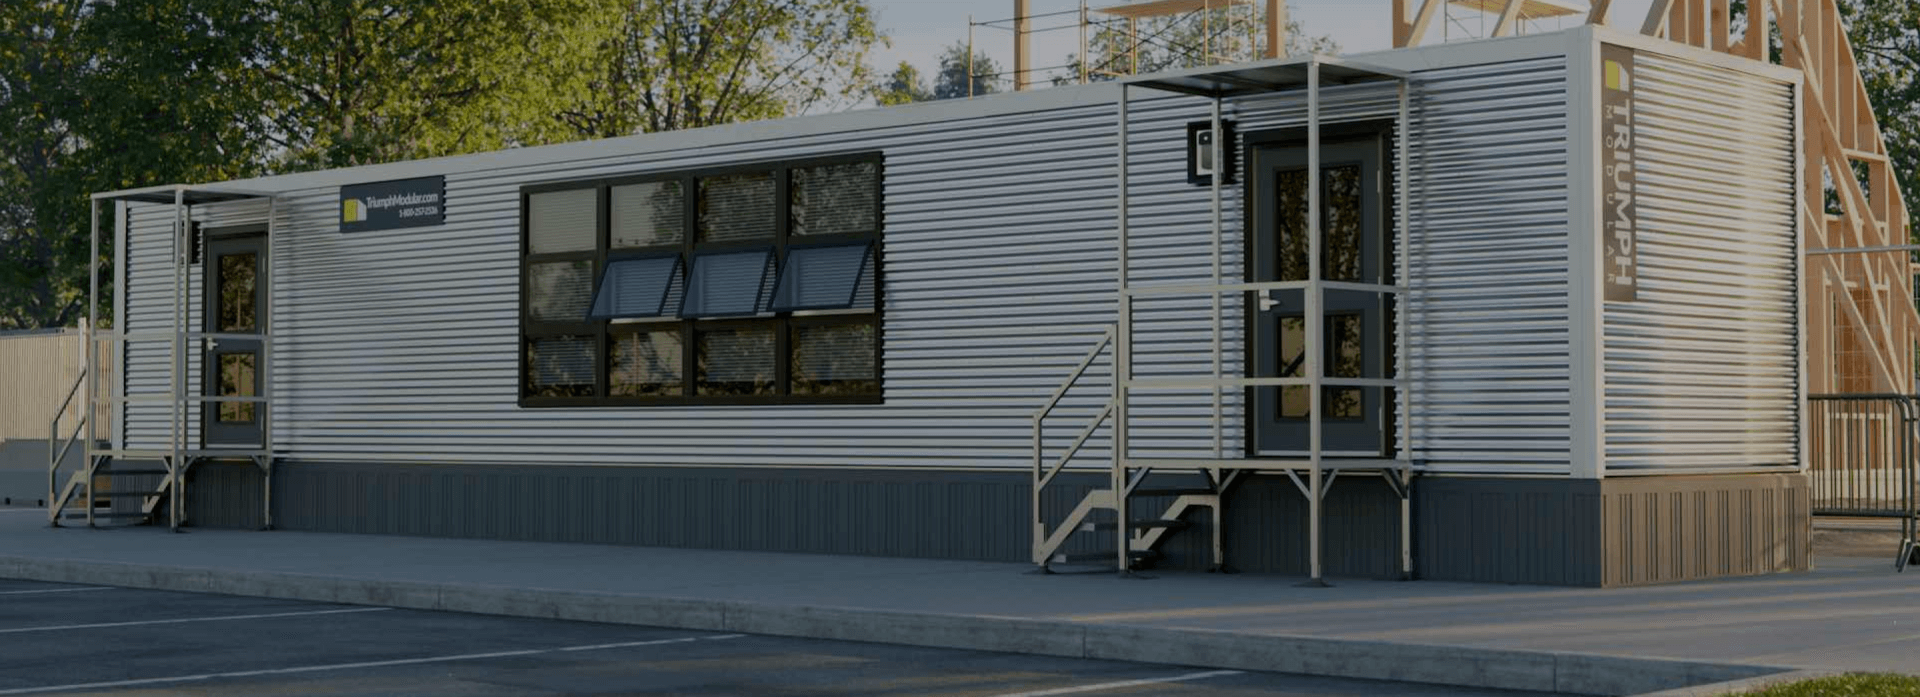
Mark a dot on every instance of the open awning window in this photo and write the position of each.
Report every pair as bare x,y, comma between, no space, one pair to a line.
825,278
729,284
636,288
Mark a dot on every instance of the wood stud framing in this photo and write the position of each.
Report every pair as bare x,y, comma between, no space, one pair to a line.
1867,295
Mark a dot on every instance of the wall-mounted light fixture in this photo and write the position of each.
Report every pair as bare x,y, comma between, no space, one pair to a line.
1200,165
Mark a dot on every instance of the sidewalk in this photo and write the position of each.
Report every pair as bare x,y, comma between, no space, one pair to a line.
1852,613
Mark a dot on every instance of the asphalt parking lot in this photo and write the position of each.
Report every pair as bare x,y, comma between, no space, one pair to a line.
65,639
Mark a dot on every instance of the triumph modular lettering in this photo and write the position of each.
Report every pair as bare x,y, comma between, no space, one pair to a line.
1619,269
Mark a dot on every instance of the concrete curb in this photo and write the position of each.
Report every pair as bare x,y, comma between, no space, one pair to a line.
1542,671
1736,687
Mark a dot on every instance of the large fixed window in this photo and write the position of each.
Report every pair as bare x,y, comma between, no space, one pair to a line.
756,284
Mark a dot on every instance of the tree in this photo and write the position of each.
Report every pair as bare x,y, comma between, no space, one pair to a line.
40,59
1885,35
904,86
954,78
673,64
950,79
347,82
1886,44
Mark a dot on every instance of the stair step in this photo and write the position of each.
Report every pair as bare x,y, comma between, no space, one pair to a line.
104,516
1172,492
1101,557
1139,525
109,472
121,494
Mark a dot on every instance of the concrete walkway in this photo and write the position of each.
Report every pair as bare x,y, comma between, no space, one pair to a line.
1853,613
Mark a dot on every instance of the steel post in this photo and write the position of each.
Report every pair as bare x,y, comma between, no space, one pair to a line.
1122,355
1315,319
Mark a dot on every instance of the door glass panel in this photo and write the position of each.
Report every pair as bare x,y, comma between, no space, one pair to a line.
1293,359
236,292
1344,360
236,380
1290,205
1341,223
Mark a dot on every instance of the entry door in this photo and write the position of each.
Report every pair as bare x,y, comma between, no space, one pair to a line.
234,269
1355,339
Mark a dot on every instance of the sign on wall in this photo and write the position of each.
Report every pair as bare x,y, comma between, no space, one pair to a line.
1619,220
395,204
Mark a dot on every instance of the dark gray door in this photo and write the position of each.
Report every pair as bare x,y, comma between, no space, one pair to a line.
234,267
1353,249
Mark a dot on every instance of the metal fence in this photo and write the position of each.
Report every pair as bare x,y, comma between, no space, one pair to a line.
1862,448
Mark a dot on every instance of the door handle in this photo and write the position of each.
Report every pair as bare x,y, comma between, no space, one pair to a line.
1267,302
212,344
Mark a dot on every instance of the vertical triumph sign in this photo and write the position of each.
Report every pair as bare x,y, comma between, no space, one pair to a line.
1620,266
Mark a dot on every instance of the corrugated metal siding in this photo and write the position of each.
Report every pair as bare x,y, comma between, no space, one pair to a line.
1701,370
401,346
1487,327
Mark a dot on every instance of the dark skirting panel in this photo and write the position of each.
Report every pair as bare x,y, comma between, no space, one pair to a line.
1614,532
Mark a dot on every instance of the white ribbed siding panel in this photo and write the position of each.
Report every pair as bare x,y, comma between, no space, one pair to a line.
1488,327
1702,371
402,345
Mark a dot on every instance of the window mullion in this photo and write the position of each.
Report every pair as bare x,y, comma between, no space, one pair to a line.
689,338
602,383
783,226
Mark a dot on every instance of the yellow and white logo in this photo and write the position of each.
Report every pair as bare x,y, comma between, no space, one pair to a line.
1618,78
352,210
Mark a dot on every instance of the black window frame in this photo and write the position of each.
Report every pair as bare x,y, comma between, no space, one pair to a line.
782,323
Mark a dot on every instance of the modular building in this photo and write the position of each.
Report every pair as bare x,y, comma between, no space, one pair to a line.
1518,310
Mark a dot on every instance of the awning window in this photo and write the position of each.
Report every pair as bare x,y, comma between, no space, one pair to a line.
825,278
728,284
636,288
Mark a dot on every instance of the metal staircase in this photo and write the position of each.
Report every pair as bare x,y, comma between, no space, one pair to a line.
1168,490
120,477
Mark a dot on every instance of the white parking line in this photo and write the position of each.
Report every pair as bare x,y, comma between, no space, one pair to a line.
223,618
58,590
349,666
1077,689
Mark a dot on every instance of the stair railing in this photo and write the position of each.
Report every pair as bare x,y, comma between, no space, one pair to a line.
55,455
1044,545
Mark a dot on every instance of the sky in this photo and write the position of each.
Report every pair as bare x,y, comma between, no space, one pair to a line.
920,29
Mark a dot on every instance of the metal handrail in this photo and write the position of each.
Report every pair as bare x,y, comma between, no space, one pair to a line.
1042,474
56,455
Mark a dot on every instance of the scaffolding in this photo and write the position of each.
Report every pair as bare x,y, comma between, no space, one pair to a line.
184,402
1138,538
1234,38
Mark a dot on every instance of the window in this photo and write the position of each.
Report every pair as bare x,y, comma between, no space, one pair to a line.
750,285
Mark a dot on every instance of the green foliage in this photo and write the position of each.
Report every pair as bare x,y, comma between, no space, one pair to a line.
42,179
673,64
331,83
1850,685
97,95
956,72
1886,43
904,86
950,79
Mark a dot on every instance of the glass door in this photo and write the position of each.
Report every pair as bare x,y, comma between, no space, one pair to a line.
233,271
1356,341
